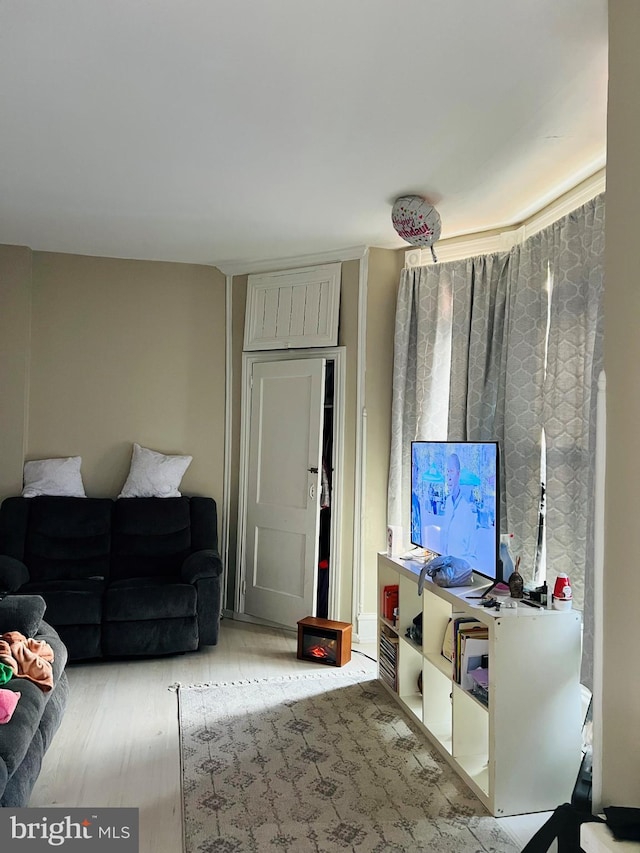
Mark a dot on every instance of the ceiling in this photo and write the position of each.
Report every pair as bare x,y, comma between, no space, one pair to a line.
231,131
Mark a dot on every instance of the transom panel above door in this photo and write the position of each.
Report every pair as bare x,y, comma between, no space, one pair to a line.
293,308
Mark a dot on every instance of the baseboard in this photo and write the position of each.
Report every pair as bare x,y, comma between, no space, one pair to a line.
364,631
236,616
366,628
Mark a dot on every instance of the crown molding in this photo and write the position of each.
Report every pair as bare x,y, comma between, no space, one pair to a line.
352,253
563,205
461,247
505,238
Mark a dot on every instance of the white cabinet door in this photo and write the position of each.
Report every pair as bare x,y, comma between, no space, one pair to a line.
282,507
293,309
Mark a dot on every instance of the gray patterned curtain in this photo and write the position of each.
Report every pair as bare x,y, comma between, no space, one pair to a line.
575,247
422,358
516,338
497,378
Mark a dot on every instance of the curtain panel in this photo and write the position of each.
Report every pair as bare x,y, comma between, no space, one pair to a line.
508,346
575,247
496,380
422,360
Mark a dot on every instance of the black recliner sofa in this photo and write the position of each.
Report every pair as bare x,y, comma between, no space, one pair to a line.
123,578
25,738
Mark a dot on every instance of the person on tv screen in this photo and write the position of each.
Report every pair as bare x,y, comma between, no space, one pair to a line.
459,523
416,524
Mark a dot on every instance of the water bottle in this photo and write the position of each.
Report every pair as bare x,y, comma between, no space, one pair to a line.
505,556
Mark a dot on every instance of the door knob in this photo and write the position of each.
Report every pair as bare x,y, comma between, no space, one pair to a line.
312,470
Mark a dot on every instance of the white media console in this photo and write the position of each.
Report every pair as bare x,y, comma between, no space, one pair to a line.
521,752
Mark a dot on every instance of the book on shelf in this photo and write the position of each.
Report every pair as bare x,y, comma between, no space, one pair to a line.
474,652
388,657
388,669
387,663
389,601
392,682
389,633
388,672
450,642
388,652
463,630
480,684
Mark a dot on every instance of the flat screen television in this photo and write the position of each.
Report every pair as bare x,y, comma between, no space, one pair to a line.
455,501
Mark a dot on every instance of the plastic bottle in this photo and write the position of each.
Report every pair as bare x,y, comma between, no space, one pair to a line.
544,594
505,556
562,595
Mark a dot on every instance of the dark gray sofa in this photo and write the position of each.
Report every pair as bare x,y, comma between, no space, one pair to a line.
123,578
28,734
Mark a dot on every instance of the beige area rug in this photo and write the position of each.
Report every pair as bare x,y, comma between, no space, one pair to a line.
319,763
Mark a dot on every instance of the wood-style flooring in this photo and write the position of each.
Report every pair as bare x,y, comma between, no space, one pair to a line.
118,741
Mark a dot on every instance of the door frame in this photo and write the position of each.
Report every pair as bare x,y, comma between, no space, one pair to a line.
339,357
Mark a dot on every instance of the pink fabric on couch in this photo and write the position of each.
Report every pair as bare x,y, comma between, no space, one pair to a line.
8,702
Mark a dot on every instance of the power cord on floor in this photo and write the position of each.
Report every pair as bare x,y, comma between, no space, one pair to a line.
358,652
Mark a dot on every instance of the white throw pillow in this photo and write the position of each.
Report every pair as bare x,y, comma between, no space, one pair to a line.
154,475
53,477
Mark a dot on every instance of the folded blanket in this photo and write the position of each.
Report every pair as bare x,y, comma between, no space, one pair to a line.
8,702
32,658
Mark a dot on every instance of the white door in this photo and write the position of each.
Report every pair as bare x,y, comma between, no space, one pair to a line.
283,502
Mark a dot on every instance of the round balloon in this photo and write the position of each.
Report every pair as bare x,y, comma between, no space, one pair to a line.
416,221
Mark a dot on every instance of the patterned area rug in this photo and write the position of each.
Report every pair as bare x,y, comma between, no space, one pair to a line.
319,763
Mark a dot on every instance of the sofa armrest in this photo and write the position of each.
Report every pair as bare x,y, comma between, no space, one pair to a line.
201,564
23,613
13,574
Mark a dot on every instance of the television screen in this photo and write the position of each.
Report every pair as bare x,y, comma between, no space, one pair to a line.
455,501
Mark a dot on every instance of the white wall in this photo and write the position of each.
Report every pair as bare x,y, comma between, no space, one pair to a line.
621,665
